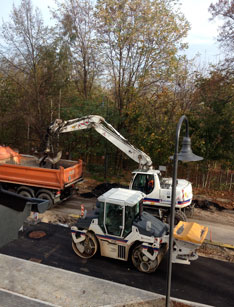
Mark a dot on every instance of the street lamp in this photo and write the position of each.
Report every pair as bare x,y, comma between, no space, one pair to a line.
185,155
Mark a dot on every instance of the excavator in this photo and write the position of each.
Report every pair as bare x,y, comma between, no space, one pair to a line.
146,179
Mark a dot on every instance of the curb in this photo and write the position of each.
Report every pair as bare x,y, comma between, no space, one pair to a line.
220,244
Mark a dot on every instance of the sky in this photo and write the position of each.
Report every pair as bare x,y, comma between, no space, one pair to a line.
203,33
201,37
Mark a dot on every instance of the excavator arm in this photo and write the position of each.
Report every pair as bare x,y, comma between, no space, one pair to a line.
106,130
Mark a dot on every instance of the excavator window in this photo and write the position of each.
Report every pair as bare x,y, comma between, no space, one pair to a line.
144,183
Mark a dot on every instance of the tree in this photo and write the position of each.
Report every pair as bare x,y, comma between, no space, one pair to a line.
77,28
24,40
11,130
140,40
213,116
225,10
38,66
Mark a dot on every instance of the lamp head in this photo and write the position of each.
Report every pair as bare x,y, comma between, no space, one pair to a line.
186,154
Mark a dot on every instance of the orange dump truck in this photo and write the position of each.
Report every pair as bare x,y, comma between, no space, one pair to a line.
23,174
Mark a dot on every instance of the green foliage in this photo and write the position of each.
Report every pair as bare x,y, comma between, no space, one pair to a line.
139,42
213,116
224,9
119,59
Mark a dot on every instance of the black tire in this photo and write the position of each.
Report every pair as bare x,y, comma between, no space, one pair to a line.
44,195
179,216
189,211
25,193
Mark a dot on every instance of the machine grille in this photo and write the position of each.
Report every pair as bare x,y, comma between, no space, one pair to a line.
121,251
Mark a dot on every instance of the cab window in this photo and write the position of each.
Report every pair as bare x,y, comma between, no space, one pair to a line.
144,183
100,208
130,214
114,219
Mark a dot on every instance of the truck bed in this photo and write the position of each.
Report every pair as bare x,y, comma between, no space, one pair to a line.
28,172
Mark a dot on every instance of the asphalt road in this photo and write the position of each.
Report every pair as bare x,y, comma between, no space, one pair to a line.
205,281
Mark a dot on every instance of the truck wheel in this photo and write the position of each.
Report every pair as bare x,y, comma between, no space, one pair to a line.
44,195
25,191
189,211
25,194
179,216
142,262
87,248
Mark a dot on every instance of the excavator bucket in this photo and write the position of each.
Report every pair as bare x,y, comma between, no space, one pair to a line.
55,159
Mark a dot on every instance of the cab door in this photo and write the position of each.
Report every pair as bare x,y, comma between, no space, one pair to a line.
113,244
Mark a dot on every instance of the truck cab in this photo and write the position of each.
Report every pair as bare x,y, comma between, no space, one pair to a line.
158,194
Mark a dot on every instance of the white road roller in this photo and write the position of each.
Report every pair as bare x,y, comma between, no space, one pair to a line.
120,229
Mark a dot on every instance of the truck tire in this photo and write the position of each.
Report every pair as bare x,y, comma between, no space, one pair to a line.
179,216
46,195
26,192
189,211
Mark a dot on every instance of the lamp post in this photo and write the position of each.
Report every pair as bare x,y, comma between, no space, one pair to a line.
185,155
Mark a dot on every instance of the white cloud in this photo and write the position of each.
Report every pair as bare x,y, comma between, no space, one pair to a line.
203,33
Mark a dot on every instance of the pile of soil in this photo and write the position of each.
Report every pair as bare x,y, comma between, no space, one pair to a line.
219,199
52,218
101,189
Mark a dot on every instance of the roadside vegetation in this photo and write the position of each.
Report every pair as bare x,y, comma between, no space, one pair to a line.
122,60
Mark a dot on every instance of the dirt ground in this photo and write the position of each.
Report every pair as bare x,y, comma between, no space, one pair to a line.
213,215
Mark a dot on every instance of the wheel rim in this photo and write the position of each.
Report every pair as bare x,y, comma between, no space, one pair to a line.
87,248
143,263
145,267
